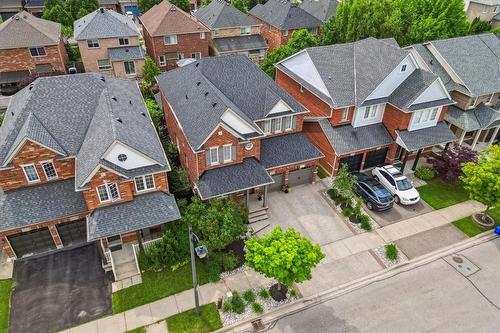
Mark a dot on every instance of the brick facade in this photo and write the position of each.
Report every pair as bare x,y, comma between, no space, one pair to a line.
273,36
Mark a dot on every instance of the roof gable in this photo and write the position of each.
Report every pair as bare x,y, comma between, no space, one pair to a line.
221,14
25,30
104,23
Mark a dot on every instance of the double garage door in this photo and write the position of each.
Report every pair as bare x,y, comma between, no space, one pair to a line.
295,178
373,158
40,241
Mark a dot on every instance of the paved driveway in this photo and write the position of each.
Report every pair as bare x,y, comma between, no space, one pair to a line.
59,290
399,212
305,210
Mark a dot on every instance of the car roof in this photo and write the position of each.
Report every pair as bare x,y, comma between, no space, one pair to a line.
393,171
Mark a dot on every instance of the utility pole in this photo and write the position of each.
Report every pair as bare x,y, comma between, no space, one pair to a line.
193,269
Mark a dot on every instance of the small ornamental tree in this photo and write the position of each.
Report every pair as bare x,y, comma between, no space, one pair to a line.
286,256
449,164
149,72
482,179
344,183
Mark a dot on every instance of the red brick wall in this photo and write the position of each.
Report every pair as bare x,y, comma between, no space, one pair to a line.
444,111
395,119
14,177
21,59
273,37
316,106
315,134
102,176
336,118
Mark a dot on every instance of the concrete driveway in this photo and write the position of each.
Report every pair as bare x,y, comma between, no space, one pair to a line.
399,212
305,210
58,291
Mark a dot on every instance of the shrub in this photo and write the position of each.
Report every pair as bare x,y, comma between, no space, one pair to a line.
228,261
344,183
357,208
227,306
213,271
237,303
293,293
171,250
178,180
391,251
249,296
365,222
448,165
257,308
425,173
264,293
347,212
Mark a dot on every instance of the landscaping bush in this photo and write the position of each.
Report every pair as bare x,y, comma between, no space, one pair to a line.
448,165
214,271
347,212
365,222
425,173
344,183
334,195
237,303
249,296
170,251
220,262
257,308
391,251
264,293
227,306
293,293
180,185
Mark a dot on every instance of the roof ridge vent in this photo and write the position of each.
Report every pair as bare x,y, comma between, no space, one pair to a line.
206,93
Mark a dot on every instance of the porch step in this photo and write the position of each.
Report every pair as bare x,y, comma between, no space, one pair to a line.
258,218
125,270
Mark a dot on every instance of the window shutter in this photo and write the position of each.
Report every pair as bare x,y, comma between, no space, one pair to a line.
233,152
294,120
207,156
221,156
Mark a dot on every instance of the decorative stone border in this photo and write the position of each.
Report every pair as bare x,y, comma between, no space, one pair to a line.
238,270
380,253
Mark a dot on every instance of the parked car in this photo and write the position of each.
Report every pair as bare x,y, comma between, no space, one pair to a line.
395,182
373,193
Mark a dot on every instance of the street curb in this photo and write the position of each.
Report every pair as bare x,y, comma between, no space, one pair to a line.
307,302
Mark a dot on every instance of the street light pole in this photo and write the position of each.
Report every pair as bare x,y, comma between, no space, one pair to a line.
193,269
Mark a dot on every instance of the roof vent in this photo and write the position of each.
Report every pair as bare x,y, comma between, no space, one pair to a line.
114,98
196,64
126,50
143,114
198,83
12,113
130,102
214,105
102,78
430,62
30,87
186,97
119,120
101,9
206,93
173,9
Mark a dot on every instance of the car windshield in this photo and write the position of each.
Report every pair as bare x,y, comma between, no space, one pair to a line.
404,184
382,193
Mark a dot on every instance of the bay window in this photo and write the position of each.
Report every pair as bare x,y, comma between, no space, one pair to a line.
424,118
227,153
287,123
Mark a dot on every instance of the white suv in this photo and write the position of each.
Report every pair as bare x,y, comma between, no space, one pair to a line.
397,184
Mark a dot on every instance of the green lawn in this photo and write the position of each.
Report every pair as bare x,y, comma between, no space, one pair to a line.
439,194
157,285
189,322
5,291
138,330
471,228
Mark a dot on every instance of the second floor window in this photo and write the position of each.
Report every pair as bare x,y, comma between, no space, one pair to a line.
227,153
30,173
214,155
424,118
123,41
276,125
170,40
196,55
245,31
103,64
345,114
144,183
202,35
370,111
287,123
129,67
38,52
285,32
313,31
92,43
49,169
108,192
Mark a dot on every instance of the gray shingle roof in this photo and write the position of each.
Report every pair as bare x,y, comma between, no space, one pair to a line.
8,4
123,53
321,9
287,149
475,59
240,43
77,115
426,137
105,24
36,204
285,15
233,82
347,139
13,77
144,211
233,178
25,30
34,3
481,117
221,14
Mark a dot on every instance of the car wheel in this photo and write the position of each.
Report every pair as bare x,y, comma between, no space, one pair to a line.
369,205
396,199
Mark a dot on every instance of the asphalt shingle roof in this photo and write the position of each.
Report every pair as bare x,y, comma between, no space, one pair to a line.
285,15
144,211
426,137
36,204
321,9
201,92
221,14
240,43
123,53
481,117
105,24
25,30
347,139
34,3
232,178
287,149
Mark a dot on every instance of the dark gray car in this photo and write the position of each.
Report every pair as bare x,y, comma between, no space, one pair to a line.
373,193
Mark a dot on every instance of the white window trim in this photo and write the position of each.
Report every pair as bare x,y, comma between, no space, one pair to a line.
104,69
375,115
160,62
403,68
485,9
143,177
38,56
230,153
53,165
345,114
106,186
202,35
125,69
429,123
287,129
269,131
243,31
165,40
472,106
217,155
26,175
278,121
93,47
196,54
285,32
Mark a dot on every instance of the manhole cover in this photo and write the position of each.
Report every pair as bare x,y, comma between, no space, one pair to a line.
462,264
458,260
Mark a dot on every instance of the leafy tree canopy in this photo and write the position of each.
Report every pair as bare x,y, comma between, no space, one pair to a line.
449,164
66,12
149,71
145,5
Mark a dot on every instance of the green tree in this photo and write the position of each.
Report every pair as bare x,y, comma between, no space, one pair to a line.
482,179
178,180
273,57
344,183
242,5
478,26
58,14
286,256
80,8
155,112
145,5
66,12
182,4
149,71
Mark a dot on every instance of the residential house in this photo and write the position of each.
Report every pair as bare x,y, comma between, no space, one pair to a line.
236,131
36,7
80,163
9,8
484,9
321,9
109,43
370,103
279,18
171,35
468,66
232,32
29,46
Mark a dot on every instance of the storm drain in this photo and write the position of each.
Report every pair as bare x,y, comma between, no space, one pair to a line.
462,264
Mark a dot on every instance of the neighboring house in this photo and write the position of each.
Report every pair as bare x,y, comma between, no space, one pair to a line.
484,9
9,8
36,7
171,35
370,103
109,43
80,163
236,131
469,68
125,6
495,21
321,9
232,32
279,18
29,46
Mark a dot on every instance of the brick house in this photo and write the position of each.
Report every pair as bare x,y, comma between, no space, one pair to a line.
41,51
109,44
469,68
486,10
232,32
171,35
370,103
280,18
80,164
236,131
323,10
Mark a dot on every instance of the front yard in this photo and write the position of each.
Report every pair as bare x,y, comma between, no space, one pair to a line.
471,228
157,285
5,291
189,322
439,194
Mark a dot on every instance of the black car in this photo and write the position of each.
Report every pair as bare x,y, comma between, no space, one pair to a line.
373,193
